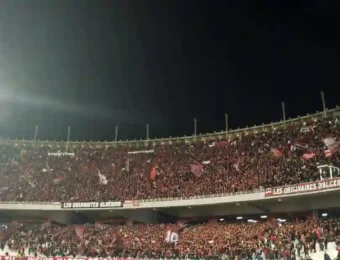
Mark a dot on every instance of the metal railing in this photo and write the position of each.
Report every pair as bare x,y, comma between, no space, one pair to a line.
142,143
253,191
31,202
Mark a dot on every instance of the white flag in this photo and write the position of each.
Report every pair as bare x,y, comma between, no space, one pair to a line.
127,165
102,178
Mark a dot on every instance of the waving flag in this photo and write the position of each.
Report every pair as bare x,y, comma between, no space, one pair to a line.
222,144
48,169
171,236
330,142
332,145
153,173
80,232
308,156
102,178
127,165
276,152
237,164
196,169
330,152
57,180
301,145
305,129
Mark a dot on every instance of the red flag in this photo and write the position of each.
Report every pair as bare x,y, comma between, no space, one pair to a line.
80,231
222,144
276,152
330,152
58,180
196,169
308,156
153,173
335,149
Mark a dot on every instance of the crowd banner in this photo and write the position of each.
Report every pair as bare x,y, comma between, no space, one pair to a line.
85,205
59,154
58,258
301,188
142,151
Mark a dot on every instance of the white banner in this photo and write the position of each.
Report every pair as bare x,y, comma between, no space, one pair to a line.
143,151
303,187
83,205
60,154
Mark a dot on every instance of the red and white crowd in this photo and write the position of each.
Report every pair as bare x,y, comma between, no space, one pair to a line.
268,240
251,161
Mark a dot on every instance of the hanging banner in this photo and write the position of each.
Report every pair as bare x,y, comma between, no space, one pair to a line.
59,154
303,187
143,151
84,205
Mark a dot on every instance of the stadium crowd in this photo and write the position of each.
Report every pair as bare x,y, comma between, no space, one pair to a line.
249,162
210,240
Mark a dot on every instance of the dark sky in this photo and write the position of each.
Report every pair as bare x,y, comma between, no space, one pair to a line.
95,64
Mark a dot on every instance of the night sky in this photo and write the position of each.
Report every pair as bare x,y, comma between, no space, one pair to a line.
95,64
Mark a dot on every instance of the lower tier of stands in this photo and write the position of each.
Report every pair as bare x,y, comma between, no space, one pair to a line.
268,240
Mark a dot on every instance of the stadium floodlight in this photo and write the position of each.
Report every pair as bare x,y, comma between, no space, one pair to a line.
281,220
264,216
250,220
324,214
221,219
238,218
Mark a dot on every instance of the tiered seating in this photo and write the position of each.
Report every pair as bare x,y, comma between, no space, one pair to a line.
170,170
196,241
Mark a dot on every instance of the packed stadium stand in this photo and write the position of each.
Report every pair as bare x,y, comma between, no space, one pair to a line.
270,240
245,162
286,158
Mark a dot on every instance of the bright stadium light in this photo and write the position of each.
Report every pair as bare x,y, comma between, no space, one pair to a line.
221,219
238,218
324,214
264,216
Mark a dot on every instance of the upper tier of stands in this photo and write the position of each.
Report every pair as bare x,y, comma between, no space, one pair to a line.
247,160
